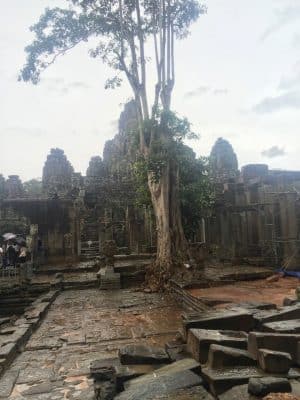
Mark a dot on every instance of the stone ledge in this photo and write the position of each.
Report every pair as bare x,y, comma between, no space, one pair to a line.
14,338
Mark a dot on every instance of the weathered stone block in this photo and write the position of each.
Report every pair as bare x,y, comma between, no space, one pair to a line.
283,314
289,302
42,388
222,356
8,331
8,351
273,341
235,320
104,373
187,364
290,326
177,353
274,361
126,373
8,381
221,380
266,385
162,385
239,392
255,305
199,341
195,393
104,390
142,354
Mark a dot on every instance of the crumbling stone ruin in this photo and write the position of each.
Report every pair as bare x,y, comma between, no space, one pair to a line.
57,174
255,218
223,162
81,325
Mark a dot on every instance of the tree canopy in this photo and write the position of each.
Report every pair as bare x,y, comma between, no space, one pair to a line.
121,29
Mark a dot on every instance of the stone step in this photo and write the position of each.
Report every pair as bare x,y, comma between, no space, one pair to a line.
142,354
235,320
199,341
290,326
274,361
283,314
222,356
89,257
221,380
109,280
263,386
273,341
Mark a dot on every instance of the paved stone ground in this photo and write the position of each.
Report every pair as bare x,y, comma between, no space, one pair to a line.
82,326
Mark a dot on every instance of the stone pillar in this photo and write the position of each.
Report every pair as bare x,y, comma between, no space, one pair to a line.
289,229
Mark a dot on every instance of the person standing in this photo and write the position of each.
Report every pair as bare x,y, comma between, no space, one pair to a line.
23,265
11,255
1,257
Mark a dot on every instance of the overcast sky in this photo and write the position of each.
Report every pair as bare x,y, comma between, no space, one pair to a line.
238,77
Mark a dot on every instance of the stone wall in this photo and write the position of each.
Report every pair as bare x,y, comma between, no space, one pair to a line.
55,221
256,218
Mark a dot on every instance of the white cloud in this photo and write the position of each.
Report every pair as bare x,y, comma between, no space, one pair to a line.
198,91
284,17
289,100
291,81
273,151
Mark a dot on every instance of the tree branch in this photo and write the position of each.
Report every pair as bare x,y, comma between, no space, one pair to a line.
142,60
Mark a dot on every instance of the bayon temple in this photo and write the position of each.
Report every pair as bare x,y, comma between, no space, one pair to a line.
78,321
254,219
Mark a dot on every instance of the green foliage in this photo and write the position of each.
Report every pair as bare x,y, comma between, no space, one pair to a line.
140,176
33,188
61,29
166,133
195,190
176,127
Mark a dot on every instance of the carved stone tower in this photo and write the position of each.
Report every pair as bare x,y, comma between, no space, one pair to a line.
223,161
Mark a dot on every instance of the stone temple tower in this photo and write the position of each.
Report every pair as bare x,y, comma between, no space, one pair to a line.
223,161
57,174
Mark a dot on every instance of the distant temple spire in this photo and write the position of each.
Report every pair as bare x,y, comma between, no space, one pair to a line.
223,161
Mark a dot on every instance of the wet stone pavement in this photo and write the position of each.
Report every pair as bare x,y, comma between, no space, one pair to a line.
82,326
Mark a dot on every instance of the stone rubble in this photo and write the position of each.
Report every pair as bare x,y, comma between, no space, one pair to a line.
124,344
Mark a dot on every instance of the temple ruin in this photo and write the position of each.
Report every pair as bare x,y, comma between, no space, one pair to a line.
83,326
255,218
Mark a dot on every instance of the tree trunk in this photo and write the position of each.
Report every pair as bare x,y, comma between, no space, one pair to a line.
172,246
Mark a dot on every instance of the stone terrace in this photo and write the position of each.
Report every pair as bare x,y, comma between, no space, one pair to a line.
80,327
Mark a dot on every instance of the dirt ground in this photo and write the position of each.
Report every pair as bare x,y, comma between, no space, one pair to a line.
251,291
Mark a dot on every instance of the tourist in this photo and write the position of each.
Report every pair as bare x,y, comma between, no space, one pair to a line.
23,265
11,254
22,255
1,257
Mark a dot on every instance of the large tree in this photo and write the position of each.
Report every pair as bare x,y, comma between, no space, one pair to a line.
127,31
